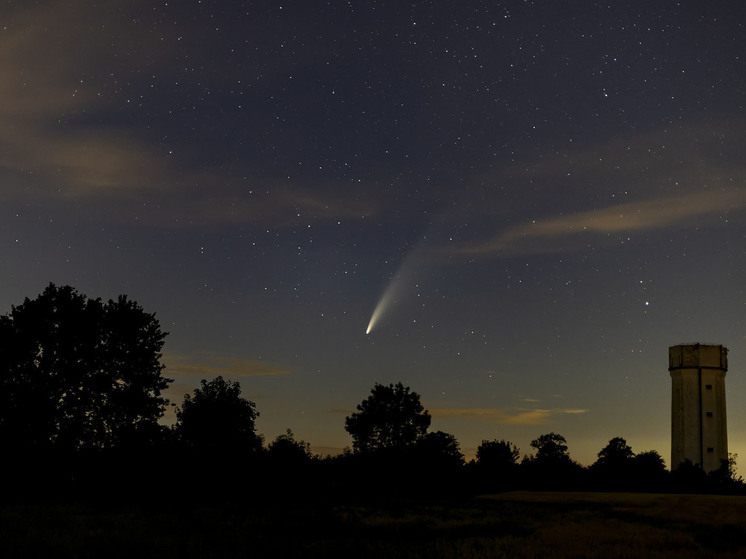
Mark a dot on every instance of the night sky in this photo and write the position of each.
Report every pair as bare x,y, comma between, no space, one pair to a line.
543,196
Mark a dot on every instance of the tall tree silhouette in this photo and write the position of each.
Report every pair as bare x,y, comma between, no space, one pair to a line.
78,373
649,470
496,462
614,465
218,419
392,417
615,455
439,451
551,449
552,465
287,450
500,456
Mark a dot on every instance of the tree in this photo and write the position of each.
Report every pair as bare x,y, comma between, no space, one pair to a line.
552,466
614,467
392,417
218,419
551,448
290,470
649,470
725,477
286,450
650,461
439,450
496,465
615,455
730,469
688,476
497,455
78,373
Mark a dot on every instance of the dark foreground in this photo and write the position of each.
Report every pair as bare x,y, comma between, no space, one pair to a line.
516,524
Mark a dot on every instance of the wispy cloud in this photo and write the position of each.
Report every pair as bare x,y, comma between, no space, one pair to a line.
71,127
341,411
271,200
503,416
54,106
182,367
623,218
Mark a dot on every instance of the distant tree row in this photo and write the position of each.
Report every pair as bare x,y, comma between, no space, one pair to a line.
392,422
81,384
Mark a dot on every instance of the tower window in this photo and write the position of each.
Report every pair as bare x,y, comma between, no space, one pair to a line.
708,387
709,414
710,449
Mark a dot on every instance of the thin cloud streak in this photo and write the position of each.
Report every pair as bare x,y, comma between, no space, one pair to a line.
624,218
182,367
341,411
504,417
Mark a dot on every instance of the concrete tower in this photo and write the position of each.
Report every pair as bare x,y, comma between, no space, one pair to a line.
698,424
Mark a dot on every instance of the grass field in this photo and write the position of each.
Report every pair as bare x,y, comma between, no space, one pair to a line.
515,524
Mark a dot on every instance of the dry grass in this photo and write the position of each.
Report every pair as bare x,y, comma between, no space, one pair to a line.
518,524
636,525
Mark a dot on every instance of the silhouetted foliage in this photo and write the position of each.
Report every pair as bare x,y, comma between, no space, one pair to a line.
497,456
617,454
285,449
614,465
439,450
392,417
648,470
725,478
216,418
551,448
78,373
688,477
649,461
552,466
730,469
290,470
496,465
393,453
432,466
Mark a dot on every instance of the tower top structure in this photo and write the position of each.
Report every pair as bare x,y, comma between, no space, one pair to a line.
706,356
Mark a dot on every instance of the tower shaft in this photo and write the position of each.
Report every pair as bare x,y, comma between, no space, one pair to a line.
698,420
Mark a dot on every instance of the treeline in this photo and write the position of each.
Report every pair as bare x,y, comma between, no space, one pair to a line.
81,397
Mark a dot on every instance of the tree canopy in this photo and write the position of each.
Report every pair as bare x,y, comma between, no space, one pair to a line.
616,454
217,418
288,450
78,373
392,417
439,449
497,455
551,448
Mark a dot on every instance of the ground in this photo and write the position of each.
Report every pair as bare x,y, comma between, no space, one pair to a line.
514,524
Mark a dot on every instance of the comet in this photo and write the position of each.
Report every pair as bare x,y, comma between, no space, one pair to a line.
383,303
397,286
388,298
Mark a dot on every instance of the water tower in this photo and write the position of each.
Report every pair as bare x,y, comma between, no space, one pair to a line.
699,430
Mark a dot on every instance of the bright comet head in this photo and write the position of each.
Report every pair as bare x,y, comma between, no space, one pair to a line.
373,319
380,307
